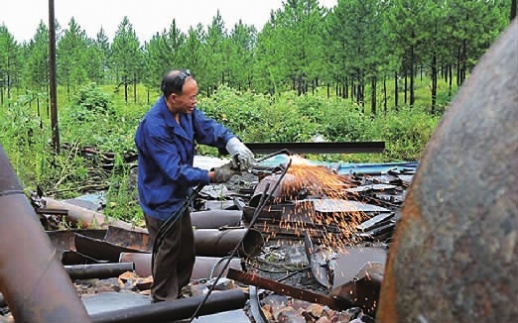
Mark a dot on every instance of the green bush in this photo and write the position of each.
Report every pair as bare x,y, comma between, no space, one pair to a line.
90,103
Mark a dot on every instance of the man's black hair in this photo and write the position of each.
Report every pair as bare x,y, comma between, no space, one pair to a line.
173,81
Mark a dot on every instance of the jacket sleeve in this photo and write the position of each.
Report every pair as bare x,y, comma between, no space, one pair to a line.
166,154
209,132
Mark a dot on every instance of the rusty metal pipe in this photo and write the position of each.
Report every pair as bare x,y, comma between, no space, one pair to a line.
35,285
84,217
203,266
219,243
214,219
454,255
100,271
176,310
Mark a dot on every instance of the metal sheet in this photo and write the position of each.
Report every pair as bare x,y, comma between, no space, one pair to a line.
349,263
99,249
344,206
130,239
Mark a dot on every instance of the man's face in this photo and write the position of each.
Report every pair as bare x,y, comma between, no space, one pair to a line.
185,102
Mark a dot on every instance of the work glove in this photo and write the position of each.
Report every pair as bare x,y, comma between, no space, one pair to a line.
223,173
242,157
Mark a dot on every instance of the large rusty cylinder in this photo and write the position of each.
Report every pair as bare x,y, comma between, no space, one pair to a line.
180,309
220,243
32,281
214,219
454,257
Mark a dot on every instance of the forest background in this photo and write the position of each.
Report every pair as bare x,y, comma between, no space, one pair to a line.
364,70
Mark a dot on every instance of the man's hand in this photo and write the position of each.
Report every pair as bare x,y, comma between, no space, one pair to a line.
245,158
223,173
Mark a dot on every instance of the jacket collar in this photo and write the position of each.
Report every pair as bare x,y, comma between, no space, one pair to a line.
171,122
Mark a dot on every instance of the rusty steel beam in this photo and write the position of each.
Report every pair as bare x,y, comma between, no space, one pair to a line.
32,280
176,310
454,255
287,290
99,271
319,147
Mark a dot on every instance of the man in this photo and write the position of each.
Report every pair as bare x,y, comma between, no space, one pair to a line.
165,141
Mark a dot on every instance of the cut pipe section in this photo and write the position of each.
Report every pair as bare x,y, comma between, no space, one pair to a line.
99,271
179,309
204,267
220,243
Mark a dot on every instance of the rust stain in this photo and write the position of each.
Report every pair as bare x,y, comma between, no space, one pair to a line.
387,310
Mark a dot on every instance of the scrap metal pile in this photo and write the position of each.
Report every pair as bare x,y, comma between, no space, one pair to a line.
306,242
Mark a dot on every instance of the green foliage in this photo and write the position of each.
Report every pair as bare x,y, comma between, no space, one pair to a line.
90,103
257,117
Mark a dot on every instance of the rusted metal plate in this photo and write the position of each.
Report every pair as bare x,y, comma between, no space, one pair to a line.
357,274
100,249
454,254
75,258
130,239
349,263
64,240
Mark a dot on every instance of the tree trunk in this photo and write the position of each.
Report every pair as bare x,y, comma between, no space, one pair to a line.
450,80
373,95
412,76
125,89
458,65
396,92
135,88
385,93
434,82
406,88
513,10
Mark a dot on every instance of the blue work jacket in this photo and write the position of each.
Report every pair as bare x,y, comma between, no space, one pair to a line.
165,148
